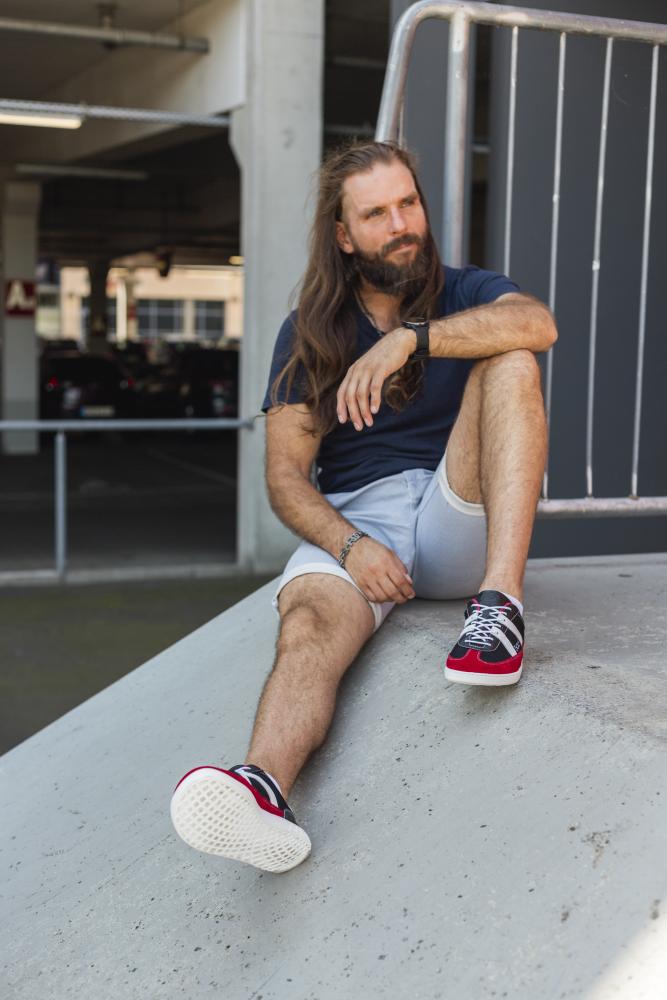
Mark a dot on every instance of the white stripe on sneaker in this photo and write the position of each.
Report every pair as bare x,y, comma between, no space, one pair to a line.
271,795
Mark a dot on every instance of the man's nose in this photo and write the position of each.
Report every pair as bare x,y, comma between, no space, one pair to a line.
396,221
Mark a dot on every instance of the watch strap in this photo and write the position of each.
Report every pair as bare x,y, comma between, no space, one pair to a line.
421,331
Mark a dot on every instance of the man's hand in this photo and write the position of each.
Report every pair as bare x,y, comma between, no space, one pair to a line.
378,572
360,392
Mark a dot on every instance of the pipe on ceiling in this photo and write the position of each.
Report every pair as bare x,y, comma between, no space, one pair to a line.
109,36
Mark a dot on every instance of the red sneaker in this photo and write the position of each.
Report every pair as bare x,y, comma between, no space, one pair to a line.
238,814
489,650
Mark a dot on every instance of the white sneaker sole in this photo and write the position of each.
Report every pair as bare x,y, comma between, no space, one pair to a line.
482,680
215,813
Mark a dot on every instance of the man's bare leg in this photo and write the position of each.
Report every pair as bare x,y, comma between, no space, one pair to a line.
324,623
496,455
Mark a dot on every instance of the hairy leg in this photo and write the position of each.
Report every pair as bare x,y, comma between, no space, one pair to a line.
324,623
496,456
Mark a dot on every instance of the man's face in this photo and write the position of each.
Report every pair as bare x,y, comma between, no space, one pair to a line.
384,227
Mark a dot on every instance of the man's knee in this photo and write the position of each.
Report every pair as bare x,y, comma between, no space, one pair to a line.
300,622
517,366
315,605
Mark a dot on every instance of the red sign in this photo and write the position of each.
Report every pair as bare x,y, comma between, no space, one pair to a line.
20,298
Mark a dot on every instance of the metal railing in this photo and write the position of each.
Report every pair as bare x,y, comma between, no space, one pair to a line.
460,16
60,429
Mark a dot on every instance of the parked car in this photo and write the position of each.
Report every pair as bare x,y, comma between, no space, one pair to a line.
58,345
209,385
133,357
75,385
158,392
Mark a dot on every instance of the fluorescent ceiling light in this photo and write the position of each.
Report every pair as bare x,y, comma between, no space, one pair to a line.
44,120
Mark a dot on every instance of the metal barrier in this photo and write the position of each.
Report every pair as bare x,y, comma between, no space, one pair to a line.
460,16
60,428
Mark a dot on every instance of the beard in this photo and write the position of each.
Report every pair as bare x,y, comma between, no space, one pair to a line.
405,280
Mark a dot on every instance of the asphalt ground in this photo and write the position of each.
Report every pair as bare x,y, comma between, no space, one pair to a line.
61,645
133,499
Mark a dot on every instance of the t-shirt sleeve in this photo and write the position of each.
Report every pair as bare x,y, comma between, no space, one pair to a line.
281,355
478,287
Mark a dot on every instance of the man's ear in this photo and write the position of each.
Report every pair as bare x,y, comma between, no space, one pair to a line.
342,239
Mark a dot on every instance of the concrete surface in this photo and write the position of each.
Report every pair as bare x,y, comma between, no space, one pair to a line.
468,844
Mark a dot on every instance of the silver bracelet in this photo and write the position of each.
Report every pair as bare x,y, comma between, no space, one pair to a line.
345,551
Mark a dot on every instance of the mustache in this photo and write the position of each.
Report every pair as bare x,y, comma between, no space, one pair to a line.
410,239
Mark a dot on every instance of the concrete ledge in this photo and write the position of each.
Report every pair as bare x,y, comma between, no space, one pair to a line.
121,574
468,844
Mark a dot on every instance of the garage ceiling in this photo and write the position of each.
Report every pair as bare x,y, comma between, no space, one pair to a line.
52,61
191,201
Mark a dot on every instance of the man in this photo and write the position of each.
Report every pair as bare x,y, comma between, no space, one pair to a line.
388,359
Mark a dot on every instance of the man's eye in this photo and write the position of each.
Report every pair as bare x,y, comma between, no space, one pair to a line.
374,211
409,201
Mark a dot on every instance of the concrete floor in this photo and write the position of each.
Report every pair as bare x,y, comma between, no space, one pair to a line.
468,844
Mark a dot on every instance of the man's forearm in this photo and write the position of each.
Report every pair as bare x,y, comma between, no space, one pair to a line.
493,329
307,513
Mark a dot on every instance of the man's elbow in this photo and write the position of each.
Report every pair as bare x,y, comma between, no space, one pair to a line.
547,327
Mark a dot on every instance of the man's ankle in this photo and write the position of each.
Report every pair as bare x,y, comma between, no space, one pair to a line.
515,597
281,781
510,590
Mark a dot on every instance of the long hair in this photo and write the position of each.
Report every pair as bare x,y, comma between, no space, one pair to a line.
325,324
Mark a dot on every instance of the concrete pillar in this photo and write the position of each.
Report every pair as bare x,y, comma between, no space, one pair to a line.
234,315
20,360
189,329
277,139
131,321
96,334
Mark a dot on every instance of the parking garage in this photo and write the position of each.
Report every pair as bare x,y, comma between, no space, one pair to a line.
155,207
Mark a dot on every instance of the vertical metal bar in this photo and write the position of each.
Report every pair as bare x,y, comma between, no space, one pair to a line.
401,123
456,130
596,267
510,150
645,252
61,503
555,213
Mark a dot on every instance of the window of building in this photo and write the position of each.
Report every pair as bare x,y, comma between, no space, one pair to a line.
159,317
209,319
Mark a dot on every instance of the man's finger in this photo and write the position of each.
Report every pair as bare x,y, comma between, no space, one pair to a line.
352,407
403,569
376,392
341,407
391,591
363,397
402,585
372,595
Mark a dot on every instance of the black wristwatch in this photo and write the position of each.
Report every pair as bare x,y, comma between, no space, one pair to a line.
420,327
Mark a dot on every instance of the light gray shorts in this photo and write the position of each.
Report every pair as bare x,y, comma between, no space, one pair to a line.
439,537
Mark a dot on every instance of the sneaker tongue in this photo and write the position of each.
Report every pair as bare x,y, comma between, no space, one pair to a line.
492,598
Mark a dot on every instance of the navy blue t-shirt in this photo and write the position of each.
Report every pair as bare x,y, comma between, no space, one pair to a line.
416,437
